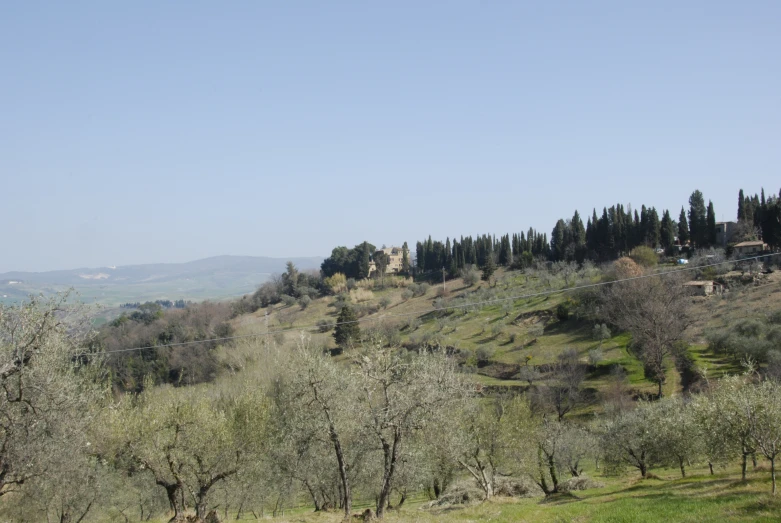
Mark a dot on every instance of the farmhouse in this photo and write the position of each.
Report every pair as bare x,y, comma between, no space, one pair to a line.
724,232
395,259
744,248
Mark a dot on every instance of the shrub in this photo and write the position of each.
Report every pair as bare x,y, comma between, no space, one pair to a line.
595,356
304,301
644,256
351,284
289,301
484,354
562,311
470,275
627,268
419,289
496,329
361,295
407,294
336,284
385,301
325,325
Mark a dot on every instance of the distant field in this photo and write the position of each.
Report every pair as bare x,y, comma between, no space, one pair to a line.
212,278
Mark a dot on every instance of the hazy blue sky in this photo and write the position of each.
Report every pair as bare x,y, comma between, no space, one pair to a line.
136,132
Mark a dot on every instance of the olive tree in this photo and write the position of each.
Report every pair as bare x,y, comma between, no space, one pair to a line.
402,394
187,439
764,419
314,411
628,439
45,392
676,432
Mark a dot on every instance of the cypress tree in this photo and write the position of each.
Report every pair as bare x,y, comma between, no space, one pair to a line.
489,268
364,259
741,206
698,224
347,331
667,231
405,259
683,228
711,224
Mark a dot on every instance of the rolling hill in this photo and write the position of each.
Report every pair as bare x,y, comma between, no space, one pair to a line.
210,278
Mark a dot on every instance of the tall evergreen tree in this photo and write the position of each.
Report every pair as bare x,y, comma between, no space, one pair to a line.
347,331
711,224
364,260
741,206
405,259
489,268
683,228
698,224
667,231
558,240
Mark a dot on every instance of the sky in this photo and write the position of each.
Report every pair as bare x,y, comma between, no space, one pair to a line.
139,132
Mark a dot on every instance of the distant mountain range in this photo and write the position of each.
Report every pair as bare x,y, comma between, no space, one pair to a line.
210,278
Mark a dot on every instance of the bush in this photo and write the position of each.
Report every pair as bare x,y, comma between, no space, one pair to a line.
562,311
484,354
304,301
351,284
470,275
325,325
336,284
407,294
419,289
361,295
594,357
644,256
385,301
289,301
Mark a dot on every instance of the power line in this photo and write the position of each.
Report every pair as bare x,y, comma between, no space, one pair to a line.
435,309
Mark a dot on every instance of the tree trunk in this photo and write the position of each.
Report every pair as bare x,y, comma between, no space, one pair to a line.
553,475
172,491
391,453
754,459
710,466
437,489
743,466
643,470
346,495
773,473
683,468
660,390
403,498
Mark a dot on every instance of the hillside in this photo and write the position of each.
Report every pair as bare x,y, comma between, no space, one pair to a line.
494,341
210,278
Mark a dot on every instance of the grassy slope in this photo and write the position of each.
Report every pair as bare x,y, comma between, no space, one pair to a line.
520,323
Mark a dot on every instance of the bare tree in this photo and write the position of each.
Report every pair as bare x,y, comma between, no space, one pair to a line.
565,387
656,311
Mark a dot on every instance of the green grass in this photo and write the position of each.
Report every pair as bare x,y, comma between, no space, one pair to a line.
624,499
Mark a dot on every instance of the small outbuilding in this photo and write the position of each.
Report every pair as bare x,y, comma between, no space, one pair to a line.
746,248
703,288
